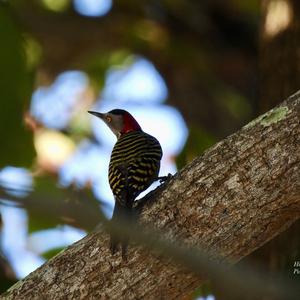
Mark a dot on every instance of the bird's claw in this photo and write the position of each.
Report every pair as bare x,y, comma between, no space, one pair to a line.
163,179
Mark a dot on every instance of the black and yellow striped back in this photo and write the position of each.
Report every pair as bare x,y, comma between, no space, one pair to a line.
134,165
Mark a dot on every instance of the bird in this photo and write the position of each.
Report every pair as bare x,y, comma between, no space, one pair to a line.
134,165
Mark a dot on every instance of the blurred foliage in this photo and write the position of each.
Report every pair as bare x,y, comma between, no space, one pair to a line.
198,141
203,291
100,62
33,52
78,208
235,104
49,254
7,276
15,89
56,5
45,187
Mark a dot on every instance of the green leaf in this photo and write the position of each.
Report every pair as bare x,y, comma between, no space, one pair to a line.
15,88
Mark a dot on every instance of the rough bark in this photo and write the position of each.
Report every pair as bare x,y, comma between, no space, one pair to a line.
232,200
280,49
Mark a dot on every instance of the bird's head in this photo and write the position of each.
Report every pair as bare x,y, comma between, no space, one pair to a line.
119,121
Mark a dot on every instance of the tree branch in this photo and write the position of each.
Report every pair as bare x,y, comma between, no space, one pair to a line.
231,200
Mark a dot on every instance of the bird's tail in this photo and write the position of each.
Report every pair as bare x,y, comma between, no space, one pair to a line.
125,214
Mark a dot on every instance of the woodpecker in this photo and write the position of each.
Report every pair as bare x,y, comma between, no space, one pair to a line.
134,164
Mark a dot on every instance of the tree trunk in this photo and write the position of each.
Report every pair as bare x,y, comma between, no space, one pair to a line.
279,47
279,52
232,200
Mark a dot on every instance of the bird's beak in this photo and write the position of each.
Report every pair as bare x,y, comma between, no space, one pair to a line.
97,114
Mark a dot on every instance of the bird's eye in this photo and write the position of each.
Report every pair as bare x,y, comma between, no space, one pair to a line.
108,119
